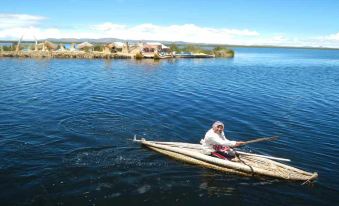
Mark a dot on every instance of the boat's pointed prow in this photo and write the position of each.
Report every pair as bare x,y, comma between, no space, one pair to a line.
313,177
138,140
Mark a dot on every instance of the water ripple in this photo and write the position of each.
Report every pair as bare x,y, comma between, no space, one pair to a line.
66,125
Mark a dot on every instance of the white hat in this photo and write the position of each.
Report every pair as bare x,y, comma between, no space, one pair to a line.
218,123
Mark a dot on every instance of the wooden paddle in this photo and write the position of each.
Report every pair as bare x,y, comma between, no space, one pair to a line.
263,139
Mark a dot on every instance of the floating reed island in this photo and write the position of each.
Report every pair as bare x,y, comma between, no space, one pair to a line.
115,50
65,55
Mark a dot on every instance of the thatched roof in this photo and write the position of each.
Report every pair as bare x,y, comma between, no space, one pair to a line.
40,45
152,46
155,45
110,46
50,45
85,45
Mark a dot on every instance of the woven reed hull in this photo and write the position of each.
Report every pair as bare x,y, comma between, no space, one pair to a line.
246,165
194,161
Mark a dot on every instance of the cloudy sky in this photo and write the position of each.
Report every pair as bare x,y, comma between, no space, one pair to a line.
242,22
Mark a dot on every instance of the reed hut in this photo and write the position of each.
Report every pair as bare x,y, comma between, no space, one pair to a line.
45,46
135,48
61,48
118,46
151,49
125,48
114,47
49,46
85,46
72,47
39,46
108,48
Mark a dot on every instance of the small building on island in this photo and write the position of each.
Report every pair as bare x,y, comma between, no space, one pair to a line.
113,47
85,46
118,46
108,48
45,46
153,49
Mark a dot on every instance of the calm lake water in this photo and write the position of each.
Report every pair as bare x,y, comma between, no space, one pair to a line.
66,125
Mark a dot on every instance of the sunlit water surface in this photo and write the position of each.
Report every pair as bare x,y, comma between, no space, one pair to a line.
66,125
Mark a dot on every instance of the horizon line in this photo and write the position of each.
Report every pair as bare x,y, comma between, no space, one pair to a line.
60,40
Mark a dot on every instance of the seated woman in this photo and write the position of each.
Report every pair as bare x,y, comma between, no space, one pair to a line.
216,142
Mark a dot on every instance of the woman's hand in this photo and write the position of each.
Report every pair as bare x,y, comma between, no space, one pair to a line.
239,144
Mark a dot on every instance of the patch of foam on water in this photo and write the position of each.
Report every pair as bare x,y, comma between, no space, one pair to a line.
103,185
109,157
106,123
113,195
144,189
263,182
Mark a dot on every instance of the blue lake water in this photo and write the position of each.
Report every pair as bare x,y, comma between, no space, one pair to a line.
66,125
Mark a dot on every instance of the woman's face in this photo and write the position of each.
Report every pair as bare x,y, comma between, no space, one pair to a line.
218,129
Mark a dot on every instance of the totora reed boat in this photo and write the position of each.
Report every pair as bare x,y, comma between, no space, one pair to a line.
246,164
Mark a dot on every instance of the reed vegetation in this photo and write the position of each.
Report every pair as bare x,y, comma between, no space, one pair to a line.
8,48
138,56
218,51
98,47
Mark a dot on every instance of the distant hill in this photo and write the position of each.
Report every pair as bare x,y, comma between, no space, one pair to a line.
95,41
110,40
107,40
74,40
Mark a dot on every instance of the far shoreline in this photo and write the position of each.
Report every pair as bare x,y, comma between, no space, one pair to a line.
186,43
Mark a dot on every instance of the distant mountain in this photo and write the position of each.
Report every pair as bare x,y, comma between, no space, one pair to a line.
74,40
106,40
110,40
101,41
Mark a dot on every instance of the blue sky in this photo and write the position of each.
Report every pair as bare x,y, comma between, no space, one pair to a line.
286,23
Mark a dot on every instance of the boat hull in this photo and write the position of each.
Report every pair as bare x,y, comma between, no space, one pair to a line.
244,165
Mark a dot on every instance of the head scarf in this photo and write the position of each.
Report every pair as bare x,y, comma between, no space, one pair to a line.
217,123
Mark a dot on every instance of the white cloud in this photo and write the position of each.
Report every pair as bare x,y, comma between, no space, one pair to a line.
334,37
279,38
13,26
331,40
108,27
185,32
18,20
